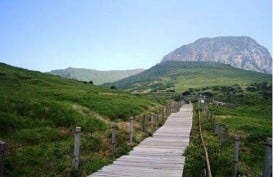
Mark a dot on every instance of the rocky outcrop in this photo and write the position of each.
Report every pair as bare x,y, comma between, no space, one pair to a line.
240,52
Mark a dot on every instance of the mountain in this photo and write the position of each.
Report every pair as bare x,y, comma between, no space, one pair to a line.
39,113
240,52
181,75
98,77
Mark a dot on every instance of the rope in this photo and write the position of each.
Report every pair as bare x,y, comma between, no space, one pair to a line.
204,147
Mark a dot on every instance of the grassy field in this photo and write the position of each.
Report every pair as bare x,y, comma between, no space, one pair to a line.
38,114
251,119
177,76
98,77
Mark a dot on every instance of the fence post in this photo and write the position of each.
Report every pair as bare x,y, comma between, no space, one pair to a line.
2,150
216,129
220,129
236,155
152,122
76,159
113,140
131,130
143,123
268,158
225,135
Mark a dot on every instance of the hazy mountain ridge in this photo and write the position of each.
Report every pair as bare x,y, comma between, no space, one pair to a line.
98,77
240,52
181,75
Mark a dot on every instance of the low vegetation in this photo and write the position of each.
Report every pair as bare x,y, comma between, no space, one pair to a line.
39,112
249,117
97,77
178,76
38,115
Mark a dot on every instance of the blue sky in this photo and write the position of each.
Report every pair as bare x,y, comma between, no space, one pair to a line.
120,34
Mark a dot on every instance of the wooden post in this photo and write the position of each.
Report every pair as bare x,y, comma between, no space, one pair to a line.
236,155
131,130
143,123
76,159
113,140
225,135
162,113
220,129
169,110
157,120
152,122
216,129
2,150
267,172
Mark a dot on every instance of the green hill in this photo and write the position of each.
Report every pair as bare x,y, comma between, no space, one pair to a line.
98,77
180,76
38,114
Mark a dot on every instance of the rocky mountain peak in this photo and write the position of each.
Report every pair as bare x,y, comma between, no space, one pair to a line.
241,52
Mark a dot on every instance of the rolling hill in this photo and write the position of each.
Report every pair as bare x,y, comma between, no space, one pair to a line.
38,115
179,76
98,77
240,52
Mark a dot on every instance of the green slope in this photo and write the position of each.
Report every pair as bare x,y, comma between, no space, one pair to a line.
180,76
98,77
250,118
38,113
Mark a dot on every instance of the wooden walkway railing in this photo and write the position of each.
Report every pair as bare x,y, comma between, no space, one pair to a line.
160,155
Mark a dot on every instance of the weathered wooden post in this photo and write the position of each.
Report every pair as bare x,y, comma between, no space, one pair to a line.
267,171
157,120
216,129
236,155
131,130
76,159
220,130
2,150
143,123
225,135
114,127
152,122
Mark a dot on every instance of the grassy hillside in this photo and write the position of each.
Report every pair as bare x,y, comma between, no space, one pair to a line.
179,76
98,77
38,114
251,119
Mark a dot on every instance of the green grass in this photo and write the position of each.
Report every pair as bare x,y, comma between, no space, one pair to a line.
97,77
180,76
38,114
251,119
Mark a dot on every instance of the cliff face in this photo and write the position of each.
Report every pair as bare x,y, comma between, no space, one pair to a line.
239,52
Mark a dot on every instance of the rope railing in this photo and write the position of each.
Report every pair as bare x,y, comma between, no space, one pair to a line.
204,147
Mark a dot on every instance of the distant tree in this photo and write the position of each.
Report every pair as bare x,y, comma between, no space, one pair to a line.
113,87
91,82
208,94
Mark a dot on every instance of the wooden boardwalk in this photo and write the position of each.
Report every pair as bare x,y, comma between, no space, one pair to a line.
158,156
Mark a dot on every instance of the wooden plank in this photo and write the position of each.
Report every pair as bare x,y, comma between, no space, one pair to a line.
159,155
